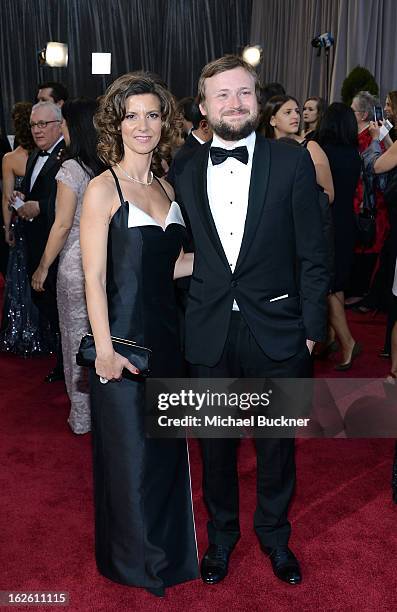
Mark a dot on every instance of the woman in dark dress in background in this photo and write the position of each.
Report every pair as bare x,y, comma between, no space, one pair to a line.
337,135
131,242
22,330
312,113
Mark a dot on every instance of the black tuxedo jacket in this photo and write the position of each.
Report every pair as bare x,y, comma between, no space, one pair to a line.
283,252
44,191
189,148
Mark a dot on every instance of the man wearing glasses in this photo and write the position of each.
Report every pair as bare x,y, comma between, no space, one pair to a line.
39,192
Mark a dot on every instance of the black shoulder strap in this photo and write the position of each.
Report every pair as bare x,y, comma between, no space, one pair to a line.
118,186
159,182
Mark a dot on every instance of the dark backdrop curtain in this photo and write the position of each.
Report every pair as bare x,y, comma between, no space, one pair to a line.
364,31
174,38
285,29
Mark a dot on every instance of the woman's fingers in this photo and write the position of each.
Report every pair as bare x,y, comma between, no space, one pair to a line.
131,368
113,369
37,285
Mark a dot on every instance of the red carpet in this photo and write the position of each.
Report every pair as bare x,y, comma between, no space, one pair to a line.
344,522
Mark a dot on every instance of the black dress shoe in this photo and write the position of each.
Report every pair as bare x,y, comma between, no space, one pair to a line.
55,375
214,565
284,563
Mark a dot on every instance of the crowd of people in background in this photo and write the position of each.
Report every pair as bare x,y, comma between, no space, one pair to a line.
336,138
113,274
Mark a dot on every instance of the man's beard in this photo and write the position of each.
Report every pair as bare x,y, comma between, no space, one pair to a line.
233,133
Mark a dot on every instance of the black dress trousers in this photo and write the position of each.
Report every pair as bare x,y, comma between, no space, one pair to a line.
243,358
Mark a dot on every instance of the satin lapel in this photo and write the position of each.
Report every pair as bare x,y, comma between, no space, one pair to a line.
257,194
201,194
29,169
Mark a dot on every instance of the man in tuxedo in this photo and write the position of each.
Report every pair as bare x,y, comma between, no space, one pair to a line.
257,300
52,91
39,192
201,133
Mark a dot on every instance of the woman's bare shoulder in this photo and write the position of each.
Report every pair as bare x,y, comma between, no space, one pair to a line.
17,155
101,190
15,161
103,183
316,151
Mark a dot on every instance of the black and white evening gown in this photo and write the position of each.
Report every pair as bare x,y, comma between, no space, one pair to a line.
144,529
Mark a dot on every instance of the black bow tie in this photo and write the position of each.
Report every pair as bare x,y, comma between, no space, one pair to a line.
44,154
218,155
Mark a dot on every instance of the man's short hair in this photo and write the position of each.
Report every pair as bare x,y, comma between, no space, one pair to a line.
56,110
223,64
196,116
184,106
59,91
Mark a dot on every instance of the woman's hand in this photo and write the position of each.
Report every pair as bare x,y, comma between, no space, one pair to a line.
110,367
39,278
184,265
9,236
14,195
374,130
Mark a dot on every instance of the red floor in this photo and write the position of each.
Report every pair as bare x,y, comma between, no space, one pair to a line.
344,522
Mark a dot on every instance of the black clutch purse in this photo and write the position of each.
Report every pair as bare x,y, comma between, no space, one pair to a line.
138,355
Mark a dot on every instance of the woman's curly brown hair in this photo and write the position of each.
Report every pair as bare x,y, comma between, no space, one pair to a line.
21,117
111,113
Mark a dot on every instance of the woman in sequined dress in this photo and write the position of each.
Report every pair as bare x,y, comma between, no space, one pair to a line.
21,332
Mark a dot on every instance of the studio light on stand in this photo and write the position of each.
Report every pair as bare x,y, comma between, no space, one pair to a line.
324,41
54,55
252,54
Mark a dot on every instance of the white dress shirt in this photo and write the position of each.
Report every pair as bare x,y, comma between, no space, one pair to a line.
40,161
228,186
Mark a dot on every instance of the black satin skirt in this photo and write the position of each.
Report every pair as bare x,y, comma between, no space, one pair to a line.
144,526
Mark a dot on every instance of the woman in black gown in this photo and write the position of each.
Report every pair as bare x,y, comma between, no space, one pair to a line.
131,242
337,135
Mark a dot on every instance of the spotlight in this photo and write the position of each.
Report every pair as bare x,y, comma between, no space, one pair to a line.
41,56
252,54
54,55
101,63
